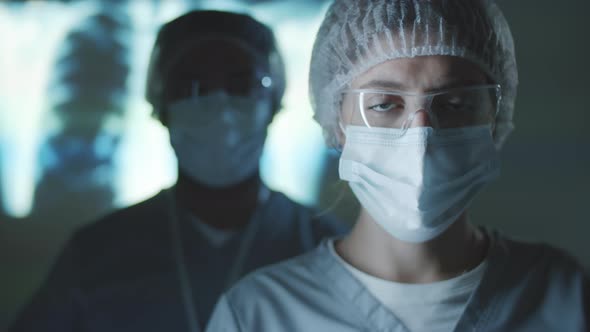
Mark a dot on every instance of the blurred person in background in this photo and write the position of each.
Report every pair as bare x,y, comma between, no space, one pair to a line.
216,81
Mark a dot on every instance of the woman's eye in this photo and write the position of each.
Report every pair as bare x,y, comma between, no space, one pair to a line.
455,100
385,107
381,102
454,104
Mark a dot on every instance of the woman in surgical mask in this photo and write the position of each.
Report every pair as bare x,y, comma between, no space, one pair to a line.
216,81
418,96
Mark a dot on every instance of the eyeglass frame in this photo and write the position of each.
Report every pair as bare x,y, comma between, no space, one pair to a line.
430,95
262,82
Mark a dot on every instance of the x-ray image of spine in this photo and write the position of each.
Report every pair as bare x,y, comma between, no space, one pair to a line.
85,119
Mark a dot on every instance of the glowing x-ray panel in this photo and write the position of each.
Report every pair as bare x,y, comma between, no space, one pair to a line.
137,149
30,38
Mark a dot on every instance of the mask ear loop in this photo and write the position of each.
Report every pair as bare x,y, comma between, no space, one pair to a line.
341,127
498,101
339,148
360,110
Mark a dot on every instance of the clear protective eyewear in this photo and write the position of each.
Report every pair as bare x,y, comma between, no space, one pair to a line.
246,85
237,85
449,108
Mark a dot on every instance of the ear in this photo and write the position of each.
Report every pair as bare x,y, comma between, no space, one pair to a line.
277,106
274,107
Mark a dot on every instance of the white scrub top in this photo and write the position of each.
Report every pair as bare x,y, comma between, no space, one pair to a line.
431,307
525,287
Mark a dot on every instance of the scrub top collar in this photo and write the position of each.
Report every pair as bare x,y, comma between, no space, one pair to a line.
480,306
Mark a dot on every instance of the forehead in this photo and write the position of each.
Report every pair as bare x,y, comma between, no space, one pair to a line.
420,74
208,57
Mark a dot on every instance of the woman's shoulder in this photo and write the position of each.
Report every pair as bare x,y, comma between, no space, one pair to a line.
297,293
534,253
540,266
298,271
544,281
295,282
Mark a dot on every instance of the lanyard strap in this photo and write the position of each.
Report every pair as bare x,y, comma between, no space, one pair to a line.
181,270
247,239
236,268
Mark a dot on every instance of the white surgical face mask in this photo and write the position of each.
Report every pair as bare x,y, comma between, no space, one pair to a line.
218,139
416,185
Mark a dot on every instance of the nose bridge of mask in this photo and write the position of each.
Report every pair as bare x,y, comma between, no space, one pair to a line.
406,153
429,156
220,111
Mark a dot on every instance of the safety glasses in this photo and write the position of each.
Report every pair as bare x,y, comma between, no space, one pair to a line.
450,108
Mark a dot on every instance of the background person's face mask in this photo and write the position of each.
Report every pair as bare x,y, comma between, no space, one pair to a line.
416,185
218,139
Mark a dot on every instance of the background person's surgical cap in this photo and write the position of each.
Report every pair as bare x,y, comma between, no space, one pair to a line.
359,34
174,37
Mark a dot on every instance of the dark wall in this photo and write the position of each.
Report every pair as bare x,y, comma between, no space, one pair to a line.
543,191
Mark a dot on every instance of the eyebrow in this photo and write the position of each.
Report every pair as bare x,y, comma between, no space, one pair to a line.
381,84
399,86
455,82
